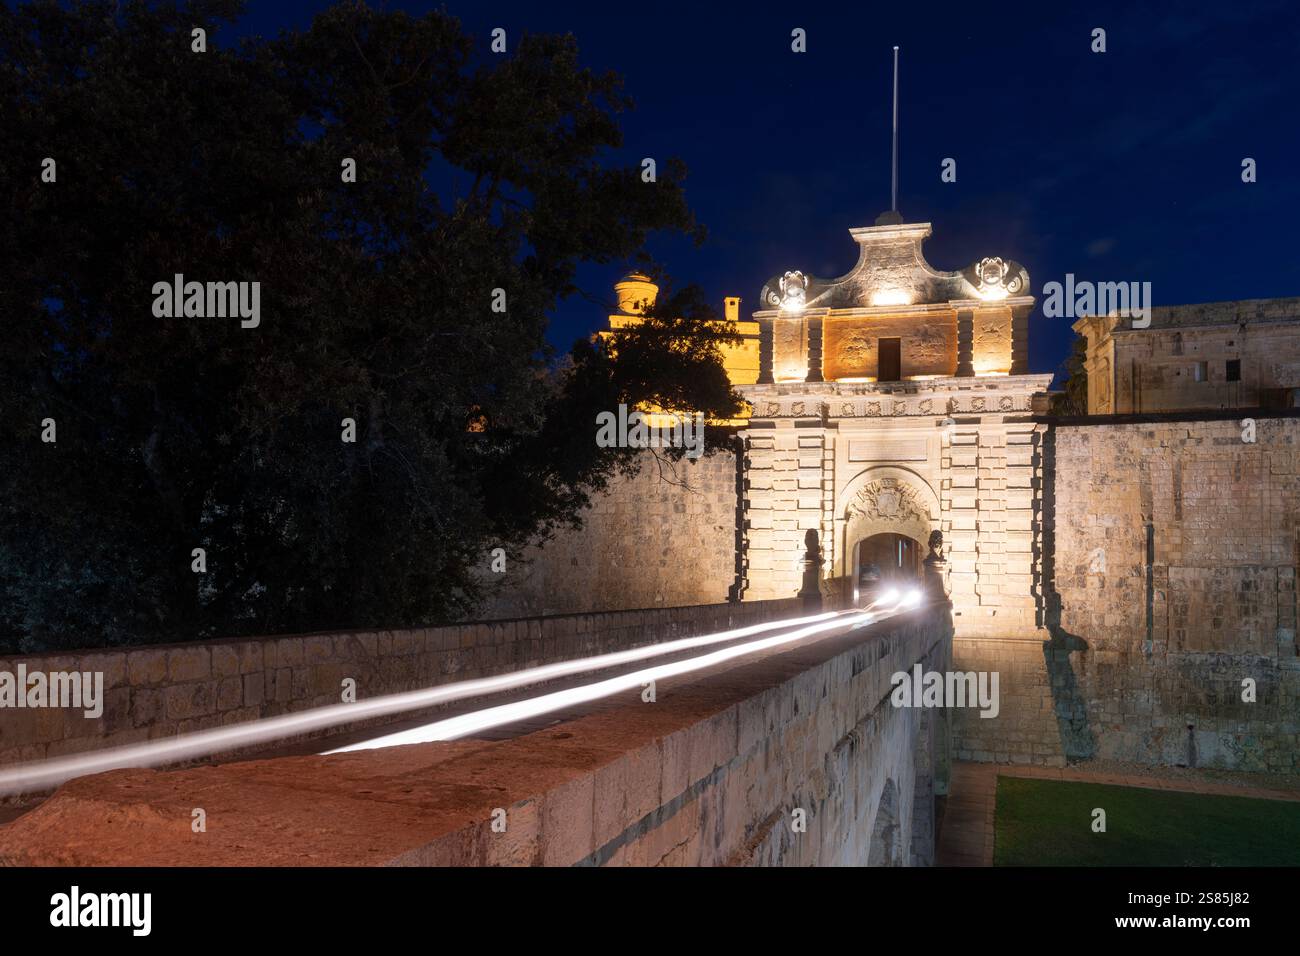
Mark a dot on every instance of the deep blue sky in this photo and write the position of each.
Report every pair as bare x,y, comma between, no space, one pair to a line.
1117,166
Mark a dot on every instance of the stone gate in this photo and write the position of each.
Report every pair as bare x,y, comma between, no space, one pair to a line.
894,400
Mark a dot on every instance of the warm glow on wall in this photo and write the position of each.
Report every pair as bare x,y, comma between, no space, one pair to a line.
891,297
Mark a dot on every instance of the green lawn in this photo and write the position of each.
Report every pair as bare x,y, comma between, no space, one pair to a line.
1049,823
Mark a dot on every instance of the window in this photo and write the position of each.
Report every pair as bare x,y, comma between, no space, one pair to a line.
1200,372
1234,370
890,361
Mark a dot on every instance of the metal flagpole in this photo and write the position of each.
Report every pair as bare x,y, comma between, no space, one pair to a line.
893,193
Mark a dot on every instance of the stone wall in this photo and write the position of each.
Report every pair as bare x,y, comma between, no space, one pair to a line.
1168,577
1181,361
956,455
664,538
795,757
165,690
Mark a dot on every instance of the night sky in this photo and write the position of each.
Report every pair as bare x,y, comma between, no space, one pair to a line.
1122,166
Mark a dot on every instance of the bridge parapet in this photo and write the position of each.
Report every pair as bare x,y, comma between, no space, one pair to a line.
161,691
797,757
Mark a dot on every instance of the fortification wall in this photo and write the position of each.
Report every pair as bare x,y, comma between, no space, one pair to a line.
1156,567
664,538
1167,580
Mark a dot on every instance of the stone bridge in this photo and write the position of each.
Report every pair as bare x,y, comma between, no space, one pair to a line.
792,754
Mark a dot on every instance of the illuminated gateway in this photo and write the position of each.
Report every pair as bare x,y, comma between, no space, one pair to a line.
886,405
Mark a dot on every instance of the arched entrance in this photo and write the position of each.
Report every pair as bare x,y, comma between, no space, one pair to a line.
888,515
887,559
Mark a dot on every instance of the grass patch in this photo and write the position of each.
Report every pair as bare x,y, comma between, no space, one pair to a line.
1049,823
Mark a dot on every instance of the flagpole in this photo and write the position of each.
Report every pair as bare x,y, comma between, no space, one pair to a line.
893,192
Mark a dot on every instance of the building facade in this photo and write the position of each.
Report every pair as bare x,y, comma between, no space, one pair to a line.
1216,355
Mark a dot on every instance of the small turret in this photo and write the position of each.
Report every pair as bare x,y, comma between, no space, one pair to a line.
636,293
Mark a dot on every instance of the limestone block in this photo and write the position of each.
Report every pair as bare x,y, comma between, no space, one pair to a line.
146,667
189,663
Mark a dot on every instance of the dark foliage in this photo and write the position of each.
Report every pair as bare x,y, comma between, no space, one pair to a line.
1073,399
475,172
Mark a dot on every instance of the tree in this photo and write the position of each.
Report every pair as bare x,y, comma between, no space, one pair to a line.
475,173
1073,399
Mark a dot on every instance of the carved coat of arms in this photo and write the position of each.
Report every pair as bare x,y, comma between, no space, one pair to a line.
889,499
887,503
995,278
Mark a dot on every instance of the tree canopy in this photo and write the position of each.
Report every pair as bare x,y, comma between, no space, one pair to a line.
1073,398
475,173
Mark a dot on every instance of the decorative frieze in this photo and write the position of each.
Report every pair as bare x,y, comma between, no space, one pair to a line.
836,400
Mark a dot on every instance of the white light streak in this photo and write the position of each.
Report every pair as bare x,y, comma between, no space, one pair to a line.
43,775
489,717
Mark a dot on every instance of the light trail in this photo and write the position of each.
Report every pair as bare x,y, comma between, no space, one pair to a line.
38,776
479,720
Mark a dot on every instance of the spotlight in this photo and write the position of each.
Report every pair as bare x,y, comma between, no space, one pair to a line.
912,598
889,597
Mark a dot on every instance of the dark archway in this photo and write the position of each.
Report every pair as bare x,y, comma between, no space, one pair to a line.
886,560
